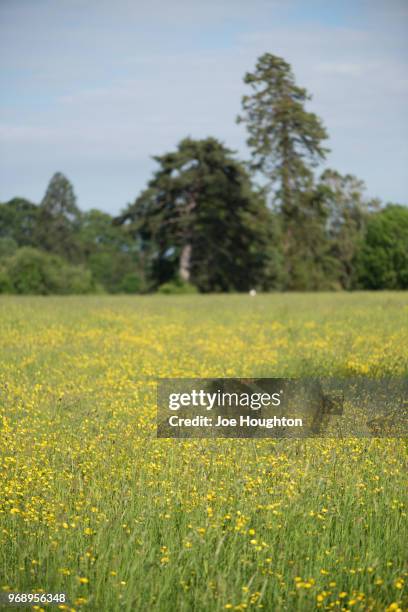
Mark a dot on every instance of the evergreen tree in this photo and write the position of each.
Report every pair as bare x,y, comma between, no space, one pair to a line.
286,143
200,221
59,219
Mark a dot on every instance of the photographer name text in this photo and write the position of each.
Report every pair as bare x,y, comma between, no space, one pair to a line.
242,421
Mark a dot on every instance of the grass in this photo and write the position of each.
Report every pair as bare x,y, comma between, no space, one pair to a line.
93,505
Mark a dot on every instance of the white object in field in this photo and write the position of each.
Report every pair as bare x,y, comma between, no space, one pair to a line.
252,292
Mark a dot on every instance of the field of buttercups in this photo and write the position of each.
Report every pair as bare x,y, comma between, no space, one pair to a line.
93,505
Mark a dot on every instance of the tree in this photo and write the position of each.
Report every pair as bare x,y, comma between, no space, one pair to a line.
201,221
347,211
311,263
18,219
59,219
110,253
285,142
284,138
382,260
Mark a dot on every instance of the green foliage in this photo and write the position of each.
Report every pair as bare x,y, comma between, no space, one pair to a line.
284,138
76,280
285,142
130,283
8,246
382,261
6,286
309,264
31,271
347,211
58,220
177,287
98,232
110,253
18,221
201,220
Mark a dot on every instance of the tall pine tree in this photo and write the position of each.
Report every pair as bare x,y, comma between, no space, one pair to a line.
286,143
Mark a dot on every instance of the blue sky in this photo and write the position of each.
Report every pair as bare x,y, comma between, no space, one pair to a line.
95,88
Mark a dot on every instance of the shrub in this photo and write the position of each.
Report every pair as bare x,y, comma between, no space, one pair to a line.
130,283
177,287
8,246
76,280
31,271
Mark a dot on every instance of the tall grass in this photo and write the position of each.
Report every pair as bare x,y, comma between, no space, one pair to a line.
94,505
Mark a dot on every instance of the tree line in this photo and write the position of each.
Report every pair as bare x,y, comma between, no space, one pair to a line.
205,223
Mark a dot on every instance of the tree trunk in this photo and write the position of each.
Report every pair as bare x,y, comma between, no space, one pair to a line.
185,263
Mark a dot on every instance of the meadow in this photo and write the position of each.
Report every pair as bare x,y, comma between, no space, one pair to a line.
92,504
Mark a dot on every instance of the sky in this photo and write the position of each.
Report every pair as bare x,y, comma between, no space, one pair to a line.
95,88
